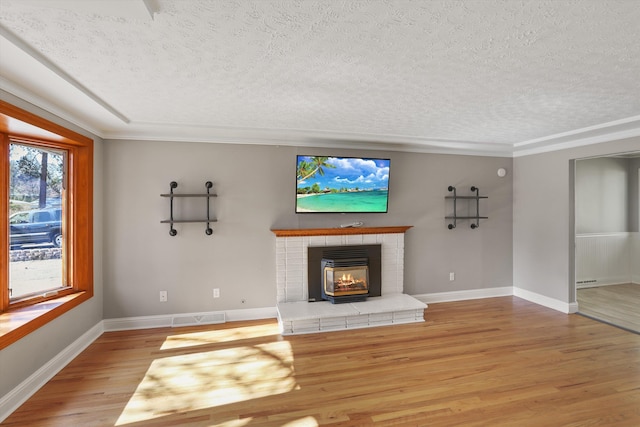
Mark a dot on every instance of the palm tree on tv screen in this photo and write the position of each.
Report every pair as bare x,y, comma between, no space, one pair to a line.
309,169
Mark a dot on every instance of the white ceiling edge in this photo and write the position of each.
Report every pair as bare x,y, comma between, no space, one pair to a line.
615,130
162,132
301,137
66,79
142,10
38,101
607,132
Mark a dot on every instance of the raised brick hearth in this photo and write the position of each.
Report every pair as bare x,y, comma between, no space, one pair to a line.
297,315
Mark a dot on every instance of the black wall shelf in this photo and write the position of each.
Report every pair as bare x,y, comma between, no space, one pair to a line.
455,199
208,195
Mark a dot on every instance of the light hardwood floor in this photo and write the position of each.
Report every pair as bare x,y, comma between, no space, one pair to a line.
490,362
616,304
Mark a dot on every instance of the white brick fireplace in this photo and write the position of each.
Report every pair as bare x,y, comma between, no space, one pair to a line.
297,315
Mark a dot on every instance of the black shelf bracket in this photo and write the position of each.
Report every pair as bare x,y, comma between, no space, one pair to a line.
172,186
208,230
452,225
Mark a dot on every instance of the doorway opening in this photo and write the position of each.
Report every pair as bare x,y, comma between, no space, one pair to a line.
606,254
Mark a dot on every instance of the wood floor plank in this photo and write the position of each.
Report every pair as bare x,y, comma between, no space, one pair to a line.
497,361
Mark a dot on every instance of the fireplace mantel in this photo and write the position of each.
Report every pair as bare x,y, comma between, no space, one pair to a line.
340,231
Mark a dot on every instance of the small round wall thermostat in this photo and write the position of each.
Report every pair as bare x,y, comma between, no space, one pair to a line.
502,172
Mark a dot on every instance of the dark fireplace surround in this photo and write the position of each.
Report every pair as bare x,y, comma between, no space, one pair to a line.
315,268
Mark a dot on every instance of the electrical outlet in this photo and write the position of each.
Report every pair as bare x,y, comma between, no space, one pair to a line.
216,292
163,296
452,276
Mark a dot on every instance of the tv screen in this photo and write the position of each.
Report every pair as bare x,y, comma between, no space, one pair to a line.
342,184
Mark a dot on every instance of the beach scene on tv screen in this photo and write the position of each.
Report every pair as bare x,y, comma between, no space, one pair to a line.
341,184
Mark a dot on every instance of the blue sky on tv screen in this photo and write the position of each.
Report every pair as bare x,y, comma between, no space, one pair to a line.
349,173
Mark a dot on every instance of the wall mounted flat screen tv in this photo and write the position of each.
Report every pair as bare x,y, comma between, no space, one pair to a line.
342,184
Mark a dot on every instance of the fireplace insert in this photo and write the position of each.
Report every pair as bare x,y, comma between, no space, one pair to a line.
345,280
369,254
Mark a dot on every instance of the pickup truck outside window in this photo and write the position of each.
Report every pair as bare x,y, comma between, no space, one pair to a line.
36,231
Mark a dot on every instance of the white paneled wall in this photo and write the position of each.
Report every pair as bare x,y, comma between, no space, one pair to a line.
606,258
292,261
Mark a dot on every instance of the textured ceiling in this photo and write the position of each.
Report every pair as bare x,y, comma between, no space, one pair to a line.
478,77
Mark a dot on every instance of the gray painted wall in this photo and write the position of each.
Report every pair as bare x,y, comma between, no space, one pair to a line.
256,188
634,194
602,195
542,224
23,358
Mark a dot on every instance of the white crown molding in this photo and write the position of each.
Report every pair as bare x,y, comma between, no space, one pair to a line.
634,121
605,132
303,138
28,96
611,131
253,136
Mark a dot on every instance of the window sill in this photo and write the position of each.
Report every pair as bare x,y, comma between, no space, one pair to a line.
16,324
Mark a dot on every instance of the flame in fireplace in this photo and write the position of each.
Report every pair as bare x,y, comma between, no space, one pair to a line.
342,281
348,282
346,279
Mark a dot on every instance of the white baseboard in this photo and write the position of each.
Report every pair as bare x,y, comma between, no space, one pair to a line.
465,295
546,301
252,314
598,285
16,397
138,322
499,292
166,320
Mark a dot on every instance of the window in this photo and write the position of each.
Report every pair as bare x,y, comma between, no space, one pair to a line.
46,217
36,224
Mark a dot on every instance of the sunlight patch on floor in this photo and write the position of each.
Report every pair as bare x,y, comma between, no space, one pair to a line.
179,384
302,422
218,336
233,423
